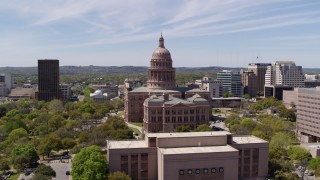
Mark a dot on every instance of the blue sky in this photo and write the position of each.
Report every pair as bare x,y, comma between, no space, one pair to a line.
197,32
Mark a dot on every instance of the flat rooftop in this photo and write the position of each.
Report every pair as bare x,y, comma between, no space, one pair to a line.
188,134
127,144
197,150
247,140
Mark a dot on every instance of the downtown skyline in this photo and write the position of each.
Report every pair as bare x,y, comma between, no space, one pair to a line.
197,33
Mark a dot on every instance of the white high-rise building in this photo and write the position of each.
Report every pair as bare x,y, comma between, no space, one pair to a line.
5,84
6,80
284,73
312,77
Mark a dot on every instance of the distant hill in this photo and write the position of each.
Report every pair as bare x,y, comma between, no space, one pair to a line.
72,70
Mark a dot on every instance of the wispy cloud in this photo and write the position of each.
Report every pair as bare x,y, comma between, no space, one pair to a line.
119,21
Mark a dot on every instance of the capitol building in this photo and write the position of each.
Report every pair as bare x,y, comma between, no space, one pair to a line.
162,106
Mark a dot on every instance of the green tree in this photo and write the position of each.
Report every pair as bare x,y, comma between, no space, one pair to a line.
203,127
118,176
282,140
55,122
3,111
114,128
89,163
45,170
23,155
24,106
228,94
14,124
40,125
18,134
317,172
263,131
55,107
74,114
12,113
68,143
49,143
278,146
232,119
40,104
118,104
86,116
183,128
87,91
246,96
83,137
40,177
299,154
287,113
87,108
314,163
265,103
248,124
4,164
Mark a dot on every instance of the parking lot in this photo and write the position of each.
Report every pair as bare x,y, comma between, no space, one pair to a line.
61,169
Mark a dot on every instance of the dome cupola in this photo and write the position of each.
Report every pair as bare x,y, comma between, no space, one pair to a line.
161,52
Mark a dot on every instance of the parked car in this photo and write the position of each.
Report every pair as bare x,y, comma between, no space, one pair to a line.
67,172
66,157
310,174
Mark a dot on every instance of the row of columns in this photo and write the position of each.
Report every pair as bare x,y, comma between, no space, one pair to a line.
161,76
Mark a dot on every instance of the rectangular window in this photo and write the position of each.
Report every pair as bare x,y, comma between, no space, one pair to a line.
134,166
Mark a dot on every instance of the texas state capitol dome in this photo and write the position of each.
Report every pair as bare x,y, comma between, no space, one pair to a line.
161,75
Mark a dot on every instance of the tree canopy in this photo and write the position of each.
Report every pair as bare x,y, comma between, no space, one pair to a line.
89,163
299,154
44,171
202,128
23,155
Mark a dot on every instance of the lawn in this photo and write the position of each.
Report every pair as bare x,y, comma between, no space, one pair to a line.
120,113
135,130
137,123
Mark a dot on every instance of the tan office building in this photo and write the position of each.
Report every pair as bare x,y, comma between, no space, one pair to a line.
190,156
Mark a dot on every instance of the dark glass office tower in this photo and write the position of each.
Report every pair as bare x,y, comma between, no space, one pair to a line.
48,79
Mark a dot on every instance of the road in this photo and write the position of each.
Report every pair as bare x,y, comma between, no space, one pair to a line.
22,176
220,117
220,125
